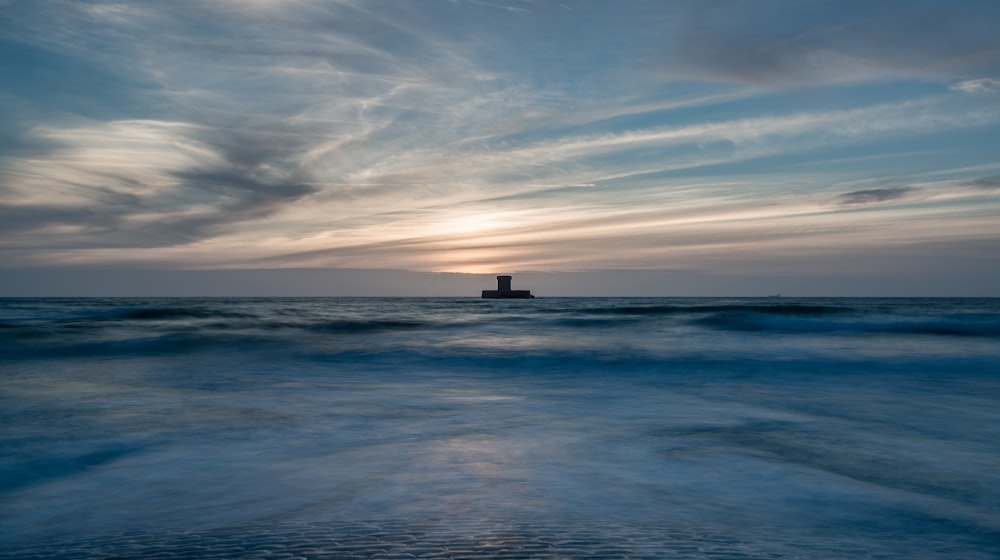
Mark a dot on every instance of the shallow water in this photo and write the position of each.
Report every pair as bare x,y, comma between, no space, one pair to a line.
757,428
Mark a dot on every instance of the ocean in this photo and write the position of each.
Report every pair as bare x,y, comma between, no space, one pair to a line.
723,428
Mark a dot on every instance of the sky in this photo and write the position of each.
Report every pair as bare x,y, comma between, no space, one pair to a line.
660,147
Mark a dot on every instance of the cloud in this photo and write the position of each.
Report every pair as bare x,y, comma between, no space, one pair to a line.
986,183
873,196
516,6
257,107
931,192
981,86
376,195
776,44
142,184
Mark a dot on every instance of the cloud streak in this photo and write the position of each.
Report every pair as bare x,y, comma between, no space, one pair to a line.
872,196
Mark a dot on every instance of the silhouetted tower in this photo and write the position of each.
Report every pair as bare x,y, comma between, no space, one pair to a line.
503,284
503,290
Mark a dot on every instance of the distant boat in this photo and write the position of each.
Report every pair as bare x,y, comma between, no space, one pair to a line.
775,296
503,291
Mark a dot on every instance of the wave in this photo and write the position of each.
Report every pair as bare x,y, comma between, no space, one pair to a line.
96,338
155,327
167,344
943,328
759,322
367,326
794,309
785,309
585,322
169,313
66,464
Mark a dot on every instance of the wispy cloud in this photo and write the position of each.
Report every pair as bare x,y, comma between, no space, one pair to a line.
980,86
986,183
871,196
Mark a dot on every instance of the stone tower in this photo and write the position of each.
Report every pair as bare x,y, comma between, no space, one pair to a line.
503,290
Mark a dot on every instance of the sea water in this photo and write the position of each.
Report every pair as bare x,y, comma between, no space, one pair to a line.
460,427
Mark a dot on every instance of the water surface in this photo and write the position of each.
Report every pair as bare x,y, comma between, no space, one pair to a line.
773,428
